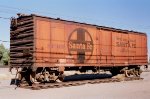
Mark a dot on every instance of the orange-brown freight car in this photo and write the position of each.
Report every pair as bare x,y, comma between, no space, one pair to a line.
43,45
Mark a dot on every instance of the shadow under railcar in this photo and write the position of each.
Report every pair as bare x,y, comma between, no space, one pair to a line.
86,77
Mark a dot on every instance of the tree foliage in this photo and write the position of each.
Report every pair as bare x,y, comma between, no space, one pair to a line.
4,55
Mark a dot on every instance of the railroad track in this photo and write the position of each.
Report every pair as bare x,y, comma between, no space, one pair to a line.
146,71
6,66
75,83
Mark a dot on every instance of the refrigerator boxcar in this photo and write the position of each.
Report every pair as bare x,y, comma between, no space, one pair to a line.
42,48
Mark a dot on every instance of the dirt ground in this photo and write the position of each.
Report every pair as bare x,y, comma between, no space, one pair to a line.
118,90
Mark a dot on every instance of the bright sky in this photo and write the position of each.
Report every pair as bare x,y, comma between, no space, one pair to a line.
123,14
